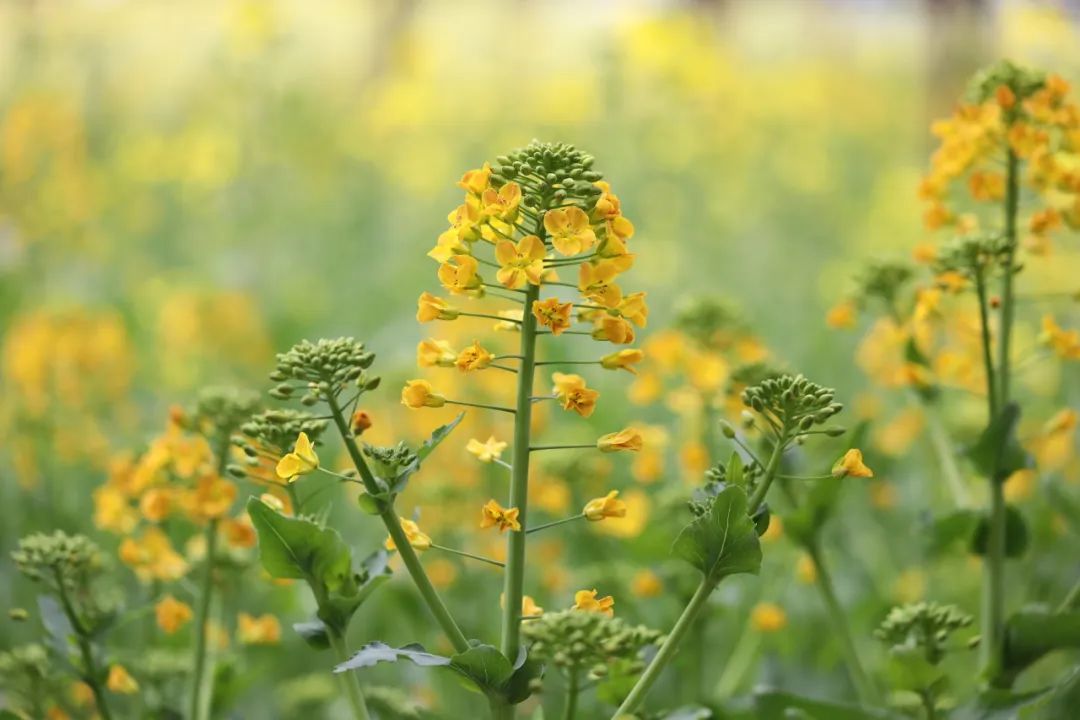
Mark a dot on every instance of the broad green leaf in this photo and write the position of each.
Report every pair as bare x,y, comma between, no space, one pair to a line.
1033,632
997,453
299,549
314,632
378,652
1016,534
723,541
519,687
485,666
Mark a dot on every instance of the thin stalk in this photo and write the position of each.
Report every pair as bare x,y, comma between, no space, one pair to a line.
91,673
1071,600
554,523
480,405
349,679
587,446
514,582
943,448
397,534
987,346
770,474
573,689
993,621
746,649
469,555
863,687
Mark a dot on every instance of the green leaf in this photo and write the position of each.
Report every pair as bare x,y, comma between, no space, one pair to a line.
484,666
1052,703
314,632
1033,632
1016,534
338,608
948,530
778,705
369,503
299,549
723,541
437,436
374,653
519,687
997,453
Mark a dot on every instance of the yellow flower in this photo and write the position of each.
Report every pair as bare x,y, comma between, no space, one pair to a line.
520,263
573,395
608,506
273,502
587,600
613,248
633,308
418,393
263,630
806,569
614,329
775,529
360,422
607,205
552,314
435,353
486,451
502,204
596,282
645,584
622,360
529,608
156,504
301,461
768,618
511,322
569,230
476,181
120,681
473,358
417,537
211,498
987,186
152,556
495,515
429,307
852,464
458,274
842,316
625,439
1064,343
172,614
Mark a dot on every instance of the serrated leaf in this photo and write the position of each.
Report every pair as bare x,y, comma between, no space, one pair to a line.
314,632
297,548
485,666
374,653
997,453
1016,534
723,541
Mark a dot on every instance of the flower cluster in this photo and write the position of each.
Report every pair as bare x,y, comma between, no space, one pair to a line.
924,625
589,642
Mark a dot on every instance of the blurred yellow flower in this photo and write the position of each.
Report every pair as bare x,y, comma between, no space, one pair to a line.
806,569
622,360
646,584
262,630
119,681
587,600
851,464
301,461
842,316
171,614
435,353
768,618
487,451
625,439
1064,343
417,537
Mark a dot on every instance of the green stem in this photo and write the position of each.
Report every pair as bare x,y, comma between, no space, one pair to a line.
200,669
397,534
572,690
987,346
863,687
553,523
770,474
927,698
943,448
993,621
349,679
746,648
91,673
667,650
589,446
500,408
1071,600
514,582
469,555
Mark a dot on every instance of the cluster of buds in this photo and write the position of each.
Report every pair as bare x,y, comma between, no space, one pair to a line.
971,256
269,435
883,280
923,625
60,560
322,369
555,172
575,640
792,403
218,411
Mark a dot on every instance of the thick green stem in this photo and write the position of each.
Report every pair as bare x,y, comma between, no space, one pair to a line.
993,621
928,704
573,689
514,581
667,650
349,679
397,534
91,674
863,687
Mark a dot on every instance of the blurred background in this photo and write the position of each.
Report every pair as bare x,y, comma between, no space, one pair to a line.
186,188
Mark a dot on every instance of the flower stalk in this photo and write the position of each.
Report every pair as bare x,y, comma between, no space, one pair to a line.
349,679
91,674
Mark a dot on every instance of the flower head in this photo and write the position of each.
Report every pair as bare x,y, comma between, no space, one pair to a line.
573,394
301,461
417,537
474,357
430,307
768,618
552,314
587,600
502,203
596,282
418,393
486,451
852,464
172,614
520,263
119,681
613,329
458,274
625,439
608,506
495,515
569,230
622,360
476,181
262,630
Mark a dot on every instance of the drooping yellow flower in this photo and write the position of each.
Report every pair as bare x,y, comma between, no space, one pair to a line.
458,274
172,614
646,584
852,465
495,515
625,439
569,230
622,360
608,506
768,618
430,307
587,600
418,394
553,314
520,263
474,357
262,630
607,205
120,681
417,537
633,308
573,394
615,330
486,451
613,249
502,203
596,282
301,461
476,181
1064,343
435,353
